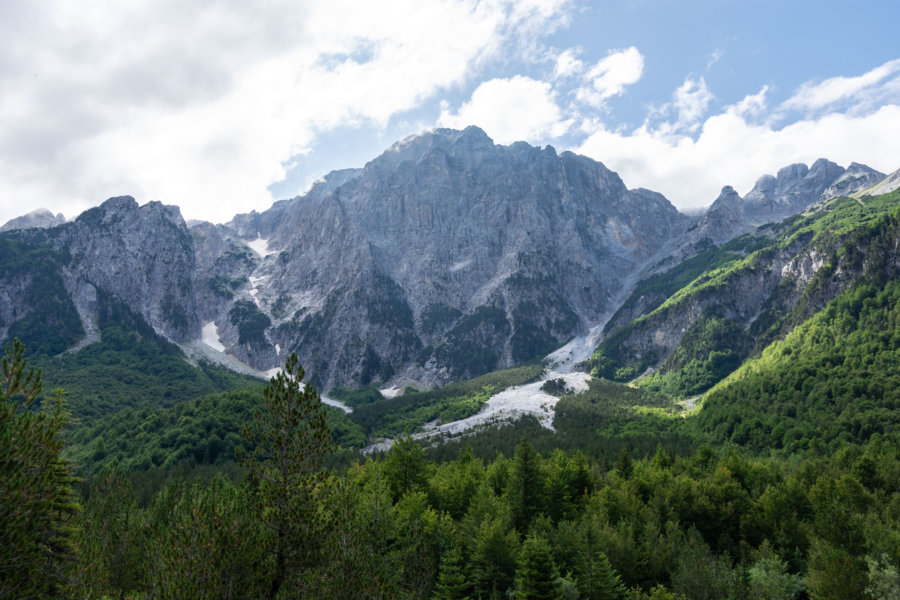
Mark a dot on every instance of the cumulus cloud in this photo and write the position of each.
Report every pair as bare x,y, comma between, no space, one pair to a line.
689,155
692,99
510,110
203,104
610,75
732,151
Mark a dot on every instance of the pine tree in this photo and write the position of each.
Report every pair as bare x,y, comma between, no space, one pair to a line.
289,441
37,503
405,467
452,584
527,487
493,559
537,577
597,580
111,538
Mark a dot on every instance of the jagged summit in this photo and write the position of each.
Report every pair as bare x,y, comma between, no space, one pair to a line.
40,218
443,244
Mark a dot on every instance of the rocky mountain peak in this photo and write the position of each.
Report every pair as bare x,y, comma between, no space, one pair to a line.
793,189
857,177
40,218
725,215
445,241
142,255
885,185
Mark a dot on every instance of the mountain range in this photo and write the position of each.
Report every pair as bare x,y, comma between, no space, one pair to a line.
446,257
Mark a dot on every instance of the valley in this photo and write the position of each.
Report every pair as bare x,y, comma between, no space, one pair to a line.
517,356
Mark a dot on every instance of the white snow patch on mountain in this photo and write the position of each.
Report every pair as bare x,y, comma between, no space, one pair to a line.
261,247
211,337
254,288
390,392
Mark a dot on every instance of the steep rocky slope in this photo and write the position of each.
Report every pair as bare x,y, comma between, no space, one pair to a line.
56,281
696,322
445,257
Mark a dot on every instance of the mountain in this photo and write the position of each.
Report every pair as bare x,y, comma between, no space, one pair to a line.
775,197
41,218
687,328
443,258
58,282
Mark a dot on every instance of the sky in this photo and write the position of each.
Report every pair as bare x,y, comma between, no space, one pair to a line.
223,107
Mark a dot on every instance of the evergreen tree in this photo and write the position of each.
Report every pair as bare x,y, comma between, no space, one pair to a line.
406,468
37,504
596,577
453,583
494,559
624,464
289,440
537,577
111,539
526,487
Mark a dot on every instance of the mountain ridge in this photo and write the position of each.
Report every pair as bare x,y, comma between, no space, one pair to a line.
444,257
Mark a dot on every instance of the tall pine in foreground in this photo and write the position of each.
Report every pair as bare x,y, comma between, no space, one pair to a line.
37,504
453,582
537,577
289,439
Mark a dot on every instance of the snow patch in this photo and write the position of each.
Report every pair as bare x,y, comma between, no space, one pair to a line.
336,404
254,288
211,337
261,247
391,392
278,349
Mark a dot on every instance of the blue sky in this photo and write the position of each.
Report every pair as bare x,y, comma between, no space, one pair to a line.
222,108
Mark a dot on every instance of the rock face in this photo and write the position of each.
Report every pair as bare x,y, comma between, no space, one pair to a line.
144,256
115,257
445,257
40,218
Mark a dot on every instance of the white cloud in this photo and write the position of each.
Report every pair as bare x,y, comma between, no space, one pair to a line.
610,75
568,64
202,104
689,104
732,151
812,96
692,99
715,57
751,106
510,110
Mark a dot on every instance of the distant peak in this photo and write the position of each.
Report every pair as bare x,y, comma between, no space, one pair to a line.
728,195
120,203
40,217
794,171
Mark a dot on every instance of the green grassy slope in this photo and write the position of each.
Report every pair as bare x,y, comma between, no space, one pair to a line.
852,238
